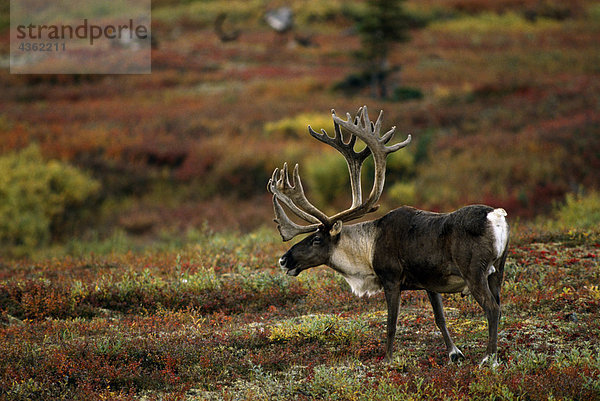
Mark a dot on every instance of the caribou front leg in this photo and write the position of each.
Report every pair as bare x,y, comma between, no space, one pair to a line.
392,298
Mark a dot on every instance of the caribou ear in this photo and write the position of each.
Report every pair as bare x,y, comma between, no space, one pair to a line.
336,229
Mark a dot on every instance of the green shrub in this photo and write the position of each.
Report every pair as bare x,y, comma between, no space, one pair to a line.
338,382
353,82
38,197
402,193
405,93
327,176
579,212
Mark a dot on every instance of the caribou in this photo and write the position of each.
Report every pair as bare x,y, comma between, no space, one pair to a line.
407,249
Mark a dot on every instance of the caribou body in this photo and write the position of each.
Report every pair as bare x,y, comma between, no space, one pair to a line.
407,249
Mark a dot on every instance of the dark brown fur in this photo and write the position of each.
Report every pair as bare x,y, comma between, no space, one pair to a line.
423,250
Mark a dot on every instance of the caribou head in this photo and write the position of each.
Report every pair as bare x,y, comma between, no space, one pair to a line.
318,248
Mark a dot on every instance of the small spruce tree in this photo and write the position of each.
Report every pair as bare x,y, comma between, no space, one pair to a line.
382,24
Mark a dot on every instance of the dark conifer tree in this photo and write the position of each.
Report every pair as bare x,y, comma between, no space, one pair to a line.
380,26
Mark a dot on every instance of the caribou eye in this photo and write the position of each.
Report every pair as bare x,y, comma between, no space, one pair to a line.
317,240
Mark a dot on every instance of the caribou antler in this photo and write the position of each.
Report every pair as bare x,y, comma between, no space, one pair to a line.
291,194
368,132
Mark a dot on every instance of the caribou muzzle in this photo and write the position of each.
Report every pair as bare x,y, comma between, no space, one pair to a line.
287,263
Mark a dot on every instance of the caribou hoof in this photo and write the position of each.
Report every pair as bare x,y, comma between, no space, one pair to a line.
490,360
456,355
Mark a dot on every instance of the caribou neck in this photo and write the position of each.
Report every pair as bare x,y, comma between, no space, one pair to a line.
352,257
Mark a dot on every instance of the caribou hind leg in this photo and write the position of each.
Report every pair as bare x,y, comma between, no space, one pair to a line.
495,279
438,311
489,302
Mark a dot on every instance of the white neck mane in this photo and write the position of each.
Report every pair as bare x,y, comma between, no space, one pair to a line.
353,258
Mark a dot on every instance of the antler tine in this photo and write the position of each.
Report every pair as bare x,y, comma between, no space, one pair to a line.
379,122
363,112
279,185
300,199
337,141
287,228
292,195
364,129
385,138
399,145
350,145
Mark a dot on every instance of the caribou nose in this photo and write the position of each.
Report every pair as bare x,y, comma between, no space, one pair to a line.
282,261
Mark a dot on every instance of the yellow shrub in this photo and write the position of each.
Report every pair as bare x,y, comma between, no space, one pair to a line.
580,211
36,197
327,176
402,193
297,125
488,22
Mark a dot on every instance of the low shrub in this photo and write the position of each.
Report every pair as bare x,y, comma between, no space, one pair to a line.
40,198
404,93
323,328
327,177
296,126
353,82
580,211
486,22
402,193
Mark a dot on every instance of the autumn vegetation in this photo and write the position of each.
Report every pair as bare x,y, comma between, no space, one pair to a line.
137,249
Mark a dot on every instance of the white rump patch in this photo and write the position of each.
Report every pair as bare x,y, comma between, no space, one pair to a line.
500,229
